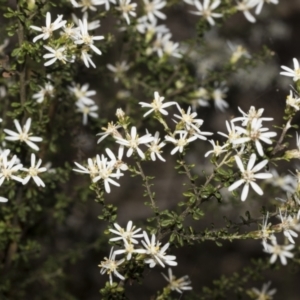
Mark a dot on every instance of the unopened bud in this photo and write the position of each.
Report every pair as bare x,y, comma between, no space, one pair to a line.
295,153
120,114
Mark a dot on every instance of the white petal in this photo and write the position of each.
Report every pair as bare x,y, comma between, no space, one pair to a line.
245,192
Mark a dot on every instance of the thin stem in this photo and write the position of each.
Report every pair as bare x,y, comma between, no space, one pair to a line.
278,146
22,71
147,185
196,190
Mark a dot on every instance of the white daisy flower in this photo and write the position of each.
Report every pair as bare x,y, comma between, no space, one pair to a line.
293,101
188,119
82,93
245,6
129,250
153,8
252,114
130,234
87,4
150,27
91,168
119,69
118,164
157,254
155,147
87,111
249,177
206,9
265,293
105,173
265,233
50,27
232,135
179,285
54,55
218,95
217,149
85,38
111,129
157,105
44,92
33,172
288,223
256,134
8,168
290,72
133,141
90,25
181,142
127,9
23,134
283,251
110,266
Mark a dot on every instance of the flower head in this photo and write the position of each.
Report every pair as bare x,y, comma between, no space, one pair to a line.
252,114
188,119
87,111
50,27
264,294
283,251
133,141
249,177
245,6
85,38
111,129
119,69
44,92
23,134
157,105
54,55
218,95
290,72
155,147
9,167
157,254
82,93
110,266
181,142
127,9
153,8
179,285
106,172
256,133
217,149
293,101
288,224
129,234
87,4
205,10
33,172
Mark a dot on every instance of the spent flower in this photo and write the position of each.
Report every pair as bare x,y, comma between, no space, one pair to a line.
178,284
110,266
